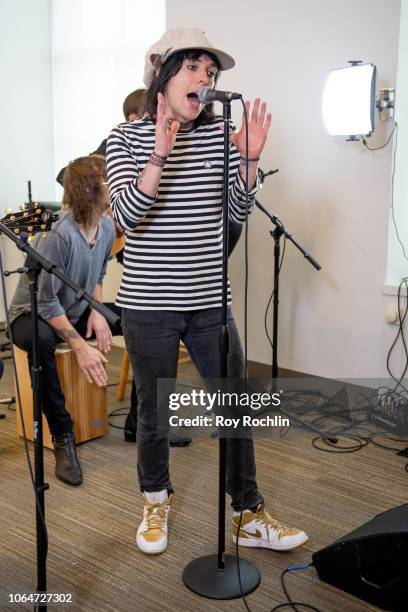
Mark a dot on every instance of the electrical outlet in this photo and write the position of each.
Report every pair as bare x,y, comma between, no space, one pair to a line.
391,314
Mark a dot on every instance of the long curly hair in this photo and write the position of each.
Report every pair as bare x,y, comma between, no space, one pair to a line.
83,190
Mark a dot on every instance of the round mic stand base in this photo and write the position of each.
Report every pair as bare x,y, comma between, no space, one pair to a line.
203,577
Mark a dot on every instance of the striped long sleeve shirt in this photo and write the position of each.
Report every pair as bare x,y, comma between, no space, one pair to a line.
173,252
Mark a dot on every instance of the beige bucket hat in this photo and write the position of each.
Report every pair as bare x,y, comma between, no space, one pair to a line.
180,39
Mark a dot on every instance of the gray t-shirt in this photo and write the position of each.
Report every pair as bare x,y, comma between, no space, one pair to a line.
85,265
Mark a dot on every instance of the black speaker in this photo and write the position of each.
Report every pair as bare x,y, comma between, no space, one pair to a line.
371,562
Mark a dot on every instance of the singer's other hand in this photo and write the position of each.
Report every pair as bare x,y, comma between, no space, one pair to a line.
259,122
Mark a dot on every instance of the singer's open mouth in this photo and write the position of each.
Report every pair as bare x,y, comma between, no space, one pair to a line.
192,98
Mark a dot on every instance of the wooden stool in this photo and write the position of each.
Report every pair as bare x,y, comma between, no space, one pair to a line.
86,402
184,357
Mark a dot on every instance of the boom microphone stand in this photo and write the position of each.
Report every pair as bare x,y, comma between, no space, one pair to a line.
276,234
216,576
33,266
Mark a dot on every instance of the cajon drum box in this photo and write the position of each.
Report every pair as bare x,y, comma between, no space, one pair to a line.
86,402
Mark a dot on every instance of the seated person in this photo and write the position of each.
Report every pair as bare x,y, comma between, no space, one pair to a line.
79,244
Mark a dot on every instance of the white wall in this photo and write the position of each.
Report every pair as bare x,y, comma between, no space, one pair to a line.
397,261
26,150
332,195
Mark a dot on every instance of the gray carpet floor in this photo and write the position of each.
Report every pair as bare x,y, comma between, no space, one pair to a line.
91,529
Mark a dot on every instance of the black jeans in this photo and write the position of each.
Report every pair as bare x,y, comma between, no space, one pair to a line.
152,339
52,397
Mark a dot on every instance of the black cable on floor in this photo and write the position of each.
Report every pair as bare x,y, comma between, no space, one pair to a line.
339,449
290,601
117,413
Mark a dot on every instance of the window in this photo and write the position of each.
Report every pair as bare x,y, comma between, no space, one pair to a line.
98,49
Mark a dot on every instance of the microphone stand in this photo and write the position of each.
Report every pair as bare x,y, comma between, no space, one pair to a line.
276,234
217,576
33,266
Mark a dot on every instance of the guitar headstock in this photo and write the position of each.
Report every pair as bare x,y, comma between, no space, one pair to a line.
31,219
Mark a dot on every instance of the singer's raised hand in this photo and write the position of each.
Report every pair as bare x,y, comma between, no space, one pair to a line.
166,129
258,126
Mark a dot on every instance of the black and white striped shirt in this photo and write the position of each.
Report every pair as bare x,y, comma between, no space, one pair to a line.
173,252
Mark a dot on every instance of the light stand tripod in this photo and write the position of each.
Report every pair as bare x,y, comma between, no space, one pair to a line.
217,576
33,266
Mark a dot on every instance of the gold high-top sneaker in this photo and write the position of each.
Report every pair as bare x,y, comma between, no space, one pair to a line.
260,530
151,536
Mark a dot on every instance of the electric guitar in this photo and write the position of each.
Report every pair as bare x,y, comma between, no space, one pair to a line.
30,219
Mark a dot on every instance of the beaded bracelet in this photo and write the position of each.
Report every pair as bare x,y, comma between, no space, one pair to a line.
157,160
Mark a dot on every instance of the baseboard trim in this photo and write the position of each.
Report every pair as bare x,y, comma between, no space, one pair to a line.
256,369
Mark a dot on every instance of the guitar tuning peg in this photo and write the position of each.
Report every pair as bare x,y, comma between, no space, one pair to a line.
12,218
21,207
43,226
16,231
25,214
30,228
44,236
31,238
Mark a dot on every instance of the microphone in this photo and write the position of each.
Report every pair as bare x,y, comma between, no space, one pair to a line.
206,95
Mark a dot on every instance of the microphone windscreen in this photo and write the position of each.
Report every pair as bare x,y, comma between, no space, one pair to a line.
202,95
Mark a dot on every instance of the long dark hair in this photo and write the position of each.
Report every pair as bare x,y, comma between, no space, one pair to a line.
168,70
